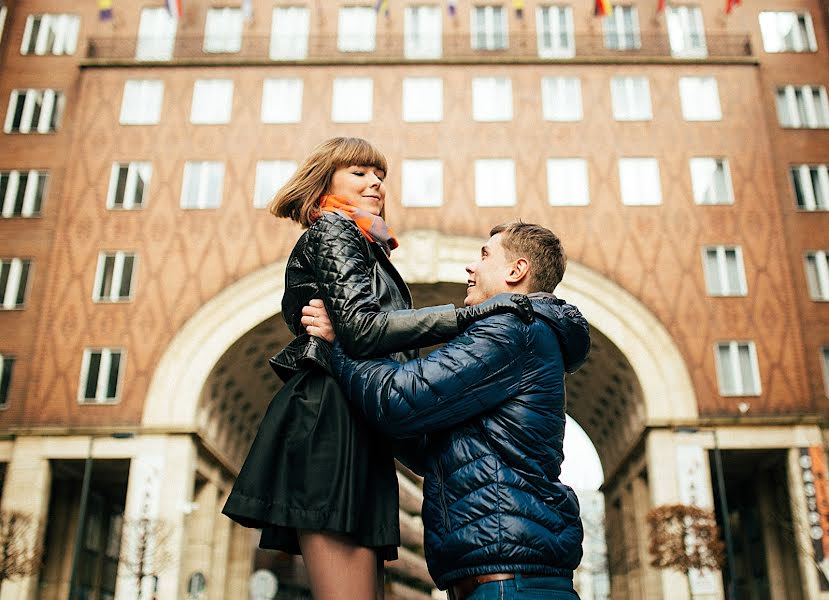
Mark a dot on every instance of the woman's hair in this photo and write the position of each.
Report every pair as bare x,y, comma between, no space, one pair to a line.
299,198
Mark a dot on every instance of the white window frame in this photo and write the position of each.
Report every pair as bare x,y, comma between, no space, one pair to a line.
812,181
718,279
289,33
561,99
817,274
776,39
104,369
136,171
7,362
282,100
119,260
212,102
19,277
40,111
156,38
491,99
631,171
489,190
568,183
493,33
422,182
356,29
631,97
805,113
616,34
422,99
686,31
3,12
205,173
271,175
55,34
824,351
700,99
223,30
423,31
31,205
704,178
141,102
352,100
555,39
740,389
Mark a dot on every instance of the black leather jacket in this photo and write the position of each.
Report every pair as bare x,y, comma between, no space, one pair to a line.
367,301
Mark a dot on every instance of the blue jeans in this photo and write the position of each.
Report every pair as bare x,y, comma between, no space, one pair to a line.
527,588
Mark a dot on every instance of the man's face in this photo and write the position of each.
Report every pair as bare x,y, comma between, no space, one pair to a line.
488,276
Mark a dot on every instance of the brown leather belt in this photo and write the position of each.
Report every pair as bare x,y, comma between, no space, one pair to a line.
463,588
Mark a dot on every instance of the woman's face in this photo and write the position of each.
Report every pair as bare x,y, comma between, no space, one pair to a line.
361,186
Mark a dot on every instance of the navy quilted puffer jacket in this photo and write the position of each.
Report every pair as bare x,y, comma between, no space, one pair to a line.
489,408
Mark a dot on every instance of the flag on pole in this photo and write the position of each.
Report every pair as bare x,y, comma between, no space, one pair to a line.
660,6
174,7
247,10
105,10
730,4
382,6
603,8
452,8
518,5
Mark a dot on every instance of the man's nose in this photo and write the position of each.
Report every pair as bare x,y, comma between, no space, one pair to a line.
470,267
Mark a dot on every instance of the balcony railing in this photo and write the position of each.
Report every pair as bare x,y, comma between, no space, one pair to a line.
517,47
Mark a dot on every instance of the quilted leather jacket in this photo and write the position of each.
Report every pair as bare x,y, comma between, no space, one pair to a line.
367,301
489,410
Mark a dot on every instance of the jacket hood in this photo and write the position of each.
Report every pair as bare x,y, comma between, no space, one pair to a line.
570,327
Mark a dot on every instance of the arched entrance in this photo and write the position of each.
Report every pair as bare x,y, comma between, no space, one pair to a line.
215,364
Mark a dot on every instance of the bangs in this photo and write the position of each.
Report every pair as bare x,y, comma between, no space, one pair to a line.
356,151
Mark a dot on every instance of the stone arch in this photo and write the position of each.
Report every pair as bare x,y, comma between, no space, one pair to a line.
423,257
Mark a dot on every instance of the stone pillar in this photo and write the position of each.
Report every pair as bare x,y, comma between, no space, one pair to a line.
800,521
631,537
240,561
660,456
221,551
198,535
160,489
649,576
26,488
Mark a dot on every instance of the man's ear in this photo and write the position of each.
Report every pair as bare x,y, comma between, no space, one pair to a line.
519,271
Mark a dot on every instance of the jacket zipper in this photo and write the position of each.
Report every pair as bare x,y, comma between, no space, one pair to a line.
443,499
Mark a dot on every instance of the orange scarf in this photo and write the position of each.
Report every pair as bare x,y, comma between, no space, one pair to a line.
374,228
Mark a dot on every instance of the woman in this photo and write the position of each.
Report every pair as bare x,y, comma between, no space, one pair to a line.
316,479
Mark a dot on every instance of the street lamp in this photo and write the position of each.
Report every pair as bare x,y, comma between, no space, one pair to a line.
87,476
731,593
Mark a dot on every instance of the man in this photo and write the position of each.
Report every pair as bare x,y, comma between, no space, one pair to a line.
488,410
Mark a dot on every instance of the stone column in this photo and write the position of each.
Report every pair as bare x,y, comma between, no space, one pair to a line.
240,561
160,489
26,489
800,520
660,456
198,535
221,552
649,579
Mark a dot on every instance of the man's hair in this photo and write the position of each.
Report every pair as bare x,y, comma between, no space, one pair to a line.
540,246
299,199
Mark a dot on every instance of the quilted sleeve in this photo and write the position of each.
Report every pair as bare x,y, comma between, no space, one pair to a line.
343,271
468,376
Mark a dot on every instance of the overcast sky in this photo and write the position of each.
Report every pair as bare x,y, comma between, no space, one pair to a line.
581,469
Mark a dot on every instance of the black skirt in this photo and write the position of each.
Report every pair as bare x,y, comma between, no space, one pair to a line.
315,465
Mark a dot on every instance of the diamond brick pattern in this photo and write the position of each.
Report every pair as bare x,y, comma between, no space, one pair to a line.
186,256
